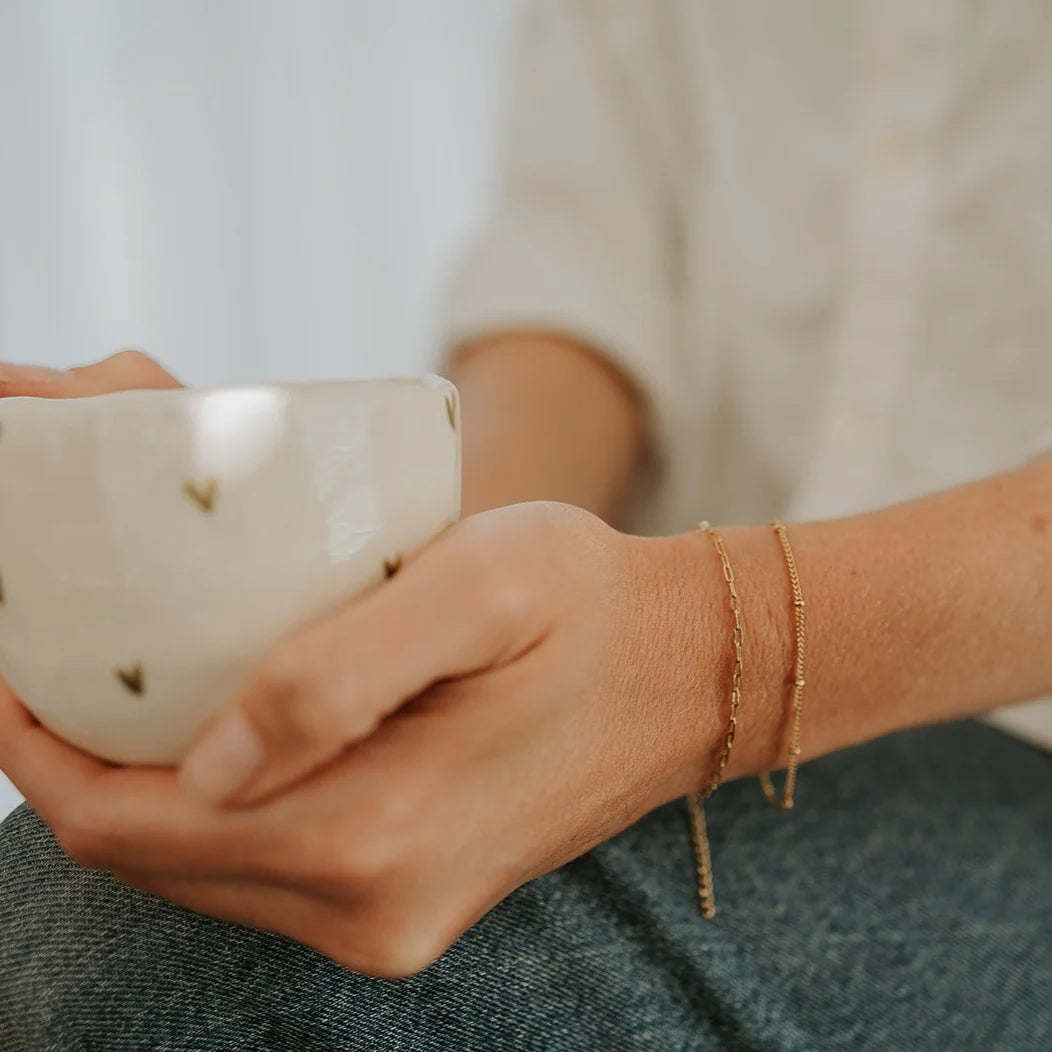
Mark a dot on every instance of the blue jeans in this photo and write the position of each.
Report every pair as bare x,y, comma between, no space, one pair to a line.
906,903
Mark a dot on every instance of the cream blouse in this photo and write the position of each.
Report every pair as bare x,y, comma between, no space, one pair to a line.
817,236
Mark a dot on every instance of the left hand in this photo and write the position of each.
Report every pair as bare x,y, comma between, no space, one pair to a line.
527,686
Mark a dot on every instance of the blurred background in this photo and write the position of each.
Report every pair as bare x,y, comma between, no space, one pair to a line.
248,189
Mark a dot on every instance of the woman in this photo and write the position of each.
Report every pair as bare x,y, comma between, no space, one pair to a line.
750,260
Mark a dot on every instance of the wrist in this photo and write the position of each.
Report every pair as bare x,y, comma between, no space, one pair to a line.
767,649
697,619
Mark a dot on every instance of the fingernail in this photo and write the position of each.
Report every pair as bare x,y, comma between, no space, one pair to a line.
224,761
10,371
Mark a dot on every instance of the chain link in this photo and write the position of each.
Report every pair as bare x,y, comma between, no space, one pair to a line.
696,801
785,801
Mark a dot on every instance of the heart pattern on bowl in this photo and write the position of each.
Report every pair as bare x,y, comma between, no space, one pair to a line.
100,680
133,679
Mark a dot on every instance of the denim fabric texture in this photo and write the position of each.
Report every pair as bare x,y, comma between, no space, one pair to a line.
905,904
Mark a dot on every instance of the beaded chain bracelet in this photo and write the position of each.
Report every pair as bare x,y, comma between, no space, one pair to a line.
785,801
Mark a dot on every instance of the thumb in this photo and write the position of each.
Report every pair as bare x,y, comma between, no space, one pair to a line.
37,381
445,616
124,371
128,370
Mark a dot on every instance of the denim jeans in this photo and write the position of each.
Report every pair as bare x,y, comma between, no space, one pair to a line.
906,903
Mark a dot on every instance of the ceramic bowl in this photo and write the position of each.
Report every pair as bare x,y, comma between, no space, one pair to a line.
155,544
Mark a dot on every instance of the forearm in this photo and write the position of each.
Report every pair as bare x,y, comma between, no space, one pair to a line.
544,419
927,611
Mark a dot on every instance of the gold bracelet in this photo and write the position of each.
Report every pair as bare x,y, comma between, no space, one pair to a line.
785,801
696,801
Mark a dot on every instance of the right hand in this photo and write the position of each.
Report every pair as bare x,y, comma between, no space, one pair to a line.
124,371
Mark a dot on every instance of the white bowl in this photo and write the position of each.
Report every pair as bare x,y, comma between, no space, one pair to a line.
155,544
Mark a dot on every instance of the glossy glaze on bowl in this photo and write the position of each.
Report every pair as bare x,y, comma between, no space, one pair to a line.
155,544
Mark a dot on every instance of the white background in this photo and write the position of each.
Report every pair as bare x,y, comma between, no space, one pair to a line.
249,189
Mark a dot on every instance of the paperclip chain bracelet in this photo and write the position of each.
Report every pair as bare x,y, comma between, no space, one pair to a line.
696,801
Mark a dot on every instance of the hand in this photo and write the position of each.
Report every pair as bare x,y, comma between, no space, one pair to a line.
527,686
123,371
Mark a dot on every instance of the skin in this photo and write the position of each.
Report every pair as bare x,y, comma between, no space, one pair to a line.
561,680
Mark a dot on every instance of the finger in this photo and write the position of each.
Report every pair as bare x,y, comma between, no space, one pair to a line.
35,381
126,370
328,834
358,845
129,815
46,770
140,817
453,610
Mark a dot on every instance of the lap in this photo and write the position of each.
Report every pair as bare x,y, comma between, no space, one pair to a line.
905,902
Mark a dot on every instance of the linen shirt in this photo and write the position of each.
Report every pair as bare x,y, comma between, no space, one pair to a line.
816,236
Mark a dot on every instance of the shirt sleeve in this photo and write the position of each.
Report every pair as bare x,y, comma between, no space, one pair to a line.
580,243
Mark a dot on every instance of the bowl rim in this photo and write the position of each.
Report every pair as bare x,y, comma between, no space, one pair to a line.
142,397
